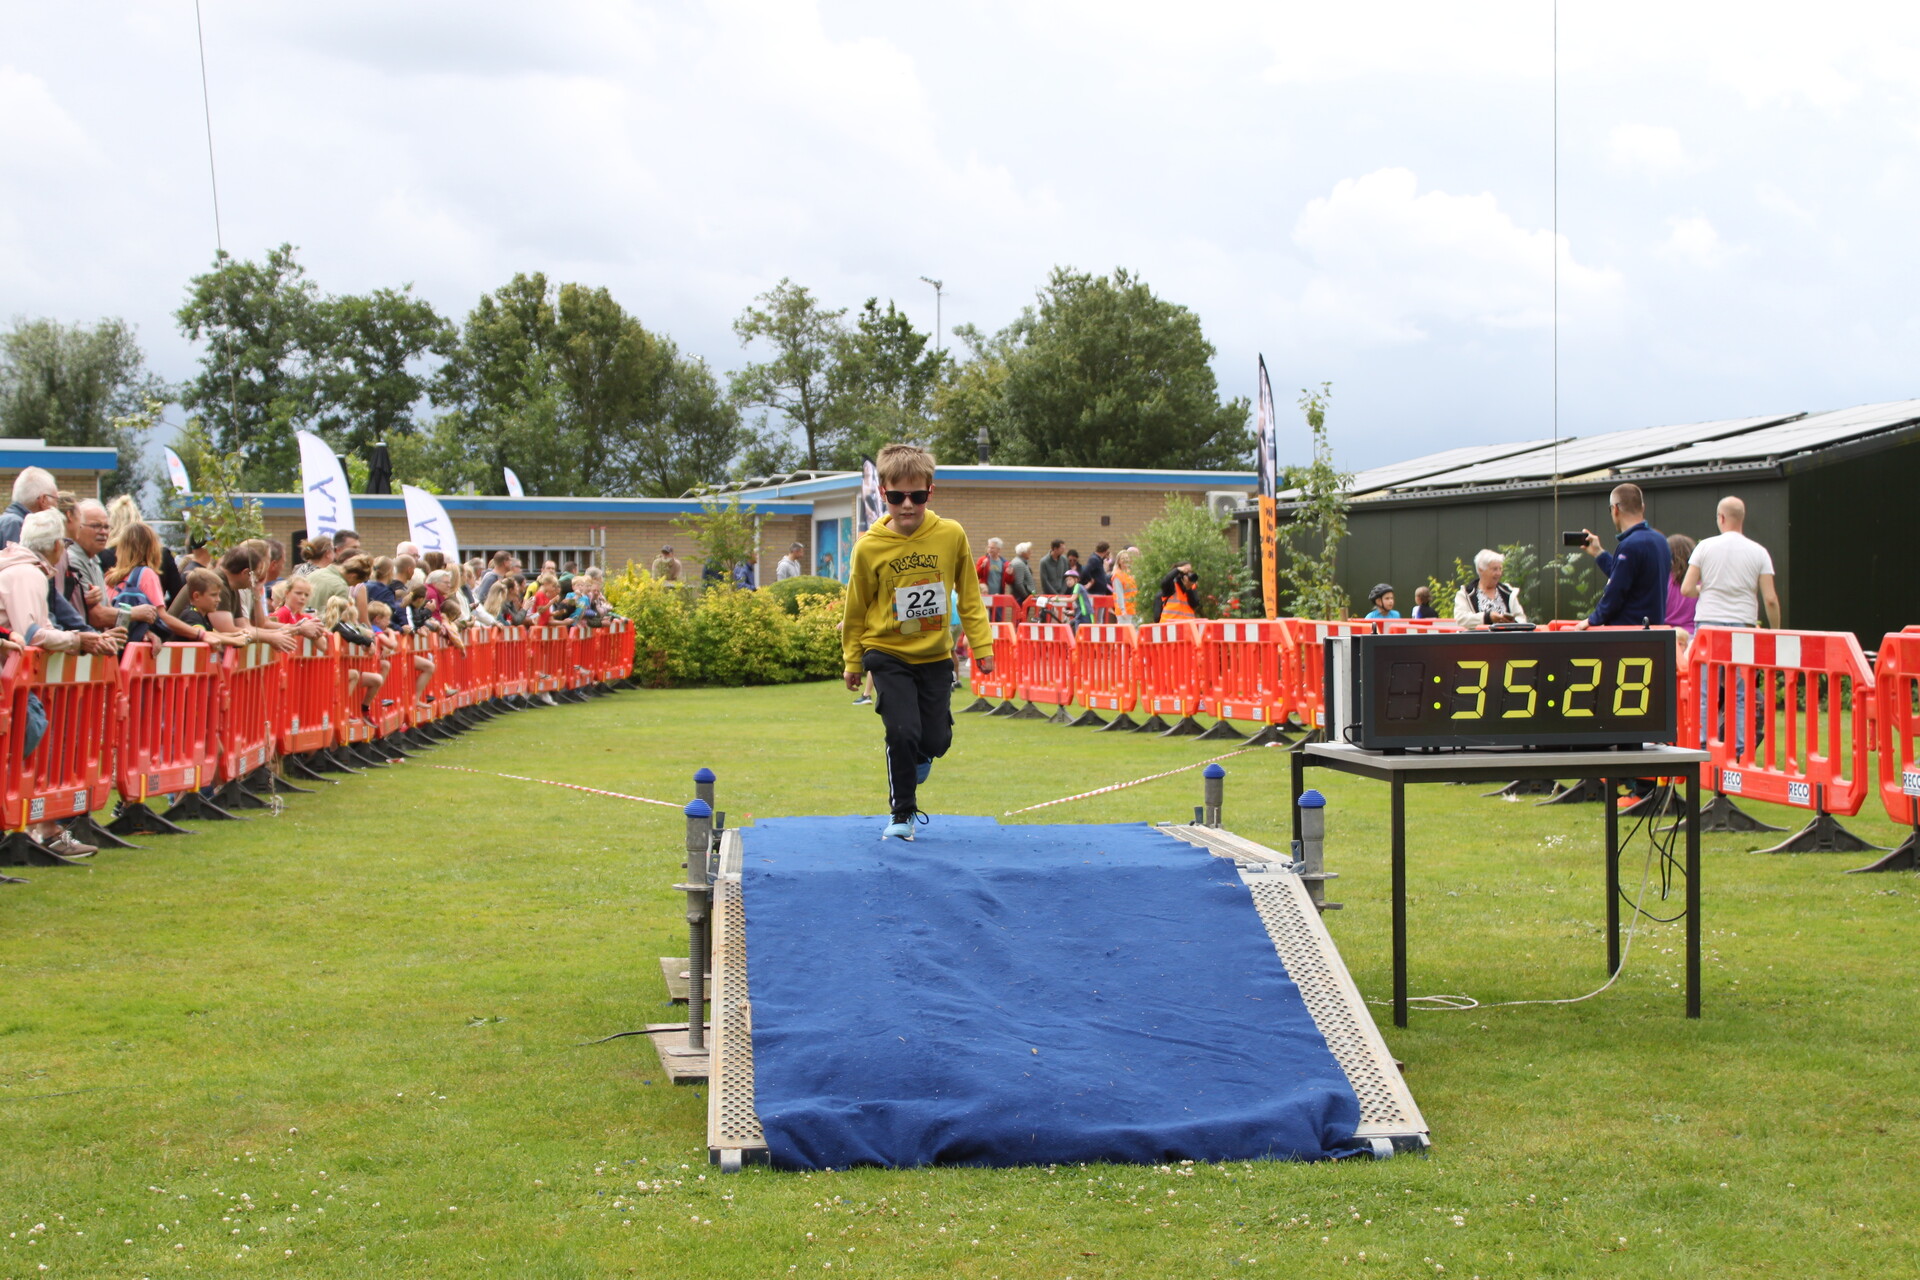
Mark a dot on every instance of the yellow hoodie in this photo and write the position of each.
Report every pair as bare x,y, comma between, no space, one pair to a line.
901,589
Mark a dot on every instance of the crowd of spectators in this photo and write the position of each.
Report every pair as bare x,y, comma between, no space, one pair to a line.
77,576
1067,583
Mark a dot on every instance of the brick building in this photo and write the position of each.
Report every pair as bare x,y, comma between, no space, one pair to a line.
76,468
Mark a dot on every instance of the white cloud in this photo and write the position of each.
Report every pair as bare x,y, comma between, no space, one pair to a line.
1694,240
1394,264
1645,148
1774,200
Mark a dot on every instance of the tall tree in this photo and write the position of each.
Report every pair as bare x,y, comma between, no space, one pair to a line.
258,378
695,439
373,351
799,383
884,382
972,394
79,385
1112,375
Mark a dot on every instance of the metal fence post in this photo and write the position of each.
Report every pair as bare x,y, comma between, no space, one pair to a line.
1216,786
699,891
1310,858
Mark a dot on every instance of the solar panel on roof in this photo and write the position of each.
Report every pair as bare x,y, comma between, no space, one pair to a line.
1798,436
1585,454
1398,473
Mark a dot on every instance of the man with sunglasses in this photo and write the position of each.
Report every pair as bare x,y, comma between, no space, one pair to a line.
908,570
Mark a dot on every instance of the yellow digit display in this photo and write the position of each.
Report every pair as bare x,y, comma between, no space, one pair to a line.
1478,690
1643,686
1526,712
1593,666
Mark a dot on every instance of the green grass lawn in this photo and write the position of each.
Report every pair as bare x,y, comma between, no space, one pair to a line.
344,1041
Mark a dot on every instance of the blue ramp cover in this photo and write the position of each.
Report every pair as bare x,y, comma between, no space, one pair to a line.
995,995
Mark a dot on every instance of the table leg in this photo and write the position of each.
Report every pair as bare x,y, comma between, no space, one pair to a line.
1693,892
1299,785
1399,902
1613,877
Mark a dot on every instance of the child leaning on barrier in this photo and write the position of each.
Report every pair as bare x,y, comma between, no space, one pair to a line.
906,569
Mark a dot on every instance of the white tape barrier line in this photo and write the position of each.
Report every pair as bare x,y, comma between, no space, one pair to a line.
1122,786
454,768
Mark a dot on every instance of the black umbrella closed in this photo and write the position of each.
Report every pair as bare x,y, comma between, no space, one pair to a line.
379,469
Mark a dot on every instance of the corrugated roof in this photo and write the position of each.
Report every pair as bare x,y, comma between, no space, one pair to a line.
1585,454
1399,473
1798,436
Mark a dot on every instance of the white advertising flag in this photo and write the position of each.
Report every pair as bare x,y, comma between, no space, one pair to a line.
513,484
324,485
428,525
177,471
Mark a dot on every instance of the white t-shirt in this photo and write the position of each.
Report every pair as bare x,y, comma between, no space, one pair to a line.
1730,566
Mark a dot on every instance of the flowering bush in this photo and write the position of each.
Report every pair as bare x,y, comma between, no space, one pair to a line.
722,635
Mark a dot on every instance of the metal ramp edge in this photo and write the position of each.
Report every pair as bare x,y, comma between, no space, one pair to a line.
1390,1121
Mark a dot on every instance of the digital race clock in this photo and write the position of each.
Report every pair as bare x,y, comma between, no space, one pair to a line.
1502,689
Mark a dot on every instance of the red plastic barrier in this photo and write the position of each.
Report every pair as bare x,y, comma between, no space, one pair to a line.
513,663
249,689
1240,671
1048,609
1001,608
1170,675
169,731
1106,667
1804,755
70,773
419,710
1410,626
1303,663
1003,681
548,658
1897,724
1046,663
624,650
308,715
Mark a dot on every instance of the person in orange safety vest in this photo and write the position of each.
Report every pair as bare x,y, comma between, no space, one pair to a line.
1177,594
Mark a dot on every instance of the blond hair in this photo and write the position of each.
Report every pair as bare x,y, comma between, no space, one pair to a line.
904,462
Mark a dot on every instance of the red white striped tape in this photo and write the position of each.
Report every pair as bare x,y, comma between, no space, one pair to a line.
571,786
1122,786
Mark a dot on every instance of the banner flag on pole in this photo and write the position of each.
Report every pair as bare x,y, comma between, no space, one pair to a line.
324,485
1269,516
872,504
513,484
177,470
428,525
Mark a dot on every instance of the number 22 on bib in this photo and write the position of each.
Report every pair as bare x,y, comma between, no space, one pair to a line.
920,606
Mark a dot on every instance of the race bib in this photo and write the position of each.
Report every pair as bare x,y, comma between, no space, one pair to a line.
921,606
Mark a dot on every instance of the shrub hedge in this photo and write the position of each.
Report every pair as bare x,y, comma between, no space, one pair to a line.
721,635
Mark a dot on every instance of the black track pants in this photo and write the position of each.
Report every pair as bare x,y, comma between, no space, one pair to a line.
914,703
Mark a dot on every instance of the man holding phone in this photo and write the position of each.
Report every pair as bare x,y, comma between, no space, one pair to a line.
1637,569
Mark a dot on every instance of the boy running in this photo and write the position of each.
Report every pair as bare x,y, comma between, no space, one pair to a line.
906,569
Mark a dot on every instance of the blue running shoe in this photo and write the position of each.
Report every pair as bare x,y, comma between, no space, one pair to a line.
921,770
898,831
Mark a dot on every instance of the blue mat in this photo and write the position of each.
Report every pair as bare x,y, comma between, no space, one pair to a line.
995,995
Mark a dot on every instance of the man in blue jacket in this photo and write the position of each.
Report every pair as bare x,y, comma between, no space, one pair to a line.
1637,570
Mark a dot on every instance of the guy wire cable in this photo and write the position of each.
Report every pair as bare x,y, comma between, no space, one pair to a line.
1556,295
213,181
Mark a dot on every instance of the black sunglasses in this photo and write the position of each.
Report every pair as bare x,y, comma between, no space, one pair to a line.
918,497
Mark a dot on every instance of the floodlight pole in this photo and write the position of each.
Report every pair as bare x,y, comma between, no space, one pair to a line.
939,334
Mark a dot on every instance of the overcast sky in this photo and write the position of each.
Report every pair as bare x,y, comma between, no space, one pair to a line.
1363,192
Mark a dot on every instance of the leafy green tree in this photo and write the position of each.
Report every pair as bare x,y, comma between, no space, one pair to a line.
727,535
1112,375
372,349
884,382
259,377
80,385
216,511
972,393
695,438
1186,531
801,382
1309,542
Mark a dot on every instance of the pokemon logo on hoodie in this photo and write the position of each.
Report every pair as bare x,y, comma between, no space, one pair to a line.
899,591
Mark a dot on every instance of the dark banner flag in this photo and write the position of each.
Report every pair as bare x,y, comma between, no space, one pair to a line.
1268,464
872,506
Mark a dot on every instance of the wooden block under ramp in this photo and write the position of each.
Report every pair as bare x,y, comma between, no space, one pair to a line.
670,1043
673,971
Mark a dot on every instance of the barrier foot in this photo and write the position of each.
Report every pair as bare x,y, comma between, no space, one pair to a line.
1087,719
87,831
1905,857
1657,801
1221,732
978,704
298,766
1122,723
19,849
1823,835
1585,791
274,782
1184,727
1060,716
1268,736
1029,712
194,807
1006,708
13,880
1722,814
1524,787
234,795
138,820
334,760
1154,724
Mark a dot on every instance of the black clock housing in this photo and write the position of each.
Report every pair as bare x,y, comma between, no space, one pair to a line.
1503,689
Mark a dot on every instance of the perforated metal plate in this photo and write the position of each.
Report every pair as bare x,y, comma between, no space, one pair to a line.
1389,1119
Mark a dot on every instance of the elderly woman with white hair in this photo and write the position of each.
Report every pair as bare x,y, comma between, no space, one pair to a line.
26,567
1486,601
1020,573
34,489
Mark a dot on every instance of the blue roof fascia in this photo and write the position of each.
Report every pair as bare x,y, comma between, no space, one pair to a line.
62,458
455,504
1095,476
